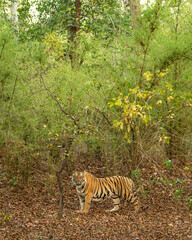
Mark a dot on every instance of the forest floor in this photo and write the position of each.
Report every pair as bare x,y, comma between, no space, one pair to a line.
30,212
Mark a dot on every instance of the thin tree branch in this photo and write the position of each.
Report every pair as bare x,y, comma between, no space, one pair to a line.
4,41
55,99
46,69
103,114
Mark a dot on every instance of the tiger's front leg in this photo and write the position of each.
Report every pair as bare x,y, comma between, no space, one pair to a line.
82,203
87,203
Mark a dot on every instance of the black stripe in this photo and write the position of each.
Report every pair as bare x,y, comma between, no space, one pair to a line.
114,181
96,186
101,188
104,196
130,198
113,184
119,185
115,197
134,201
110,184
128,194
105,188
108,193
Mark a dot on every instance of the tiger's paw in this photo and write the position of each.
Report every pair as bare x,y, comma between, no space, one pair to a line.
116,208
82,211
79,211
107,210
112,210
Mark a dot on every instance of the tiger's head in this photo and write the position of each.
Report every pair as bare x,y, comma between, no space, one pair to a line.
78,178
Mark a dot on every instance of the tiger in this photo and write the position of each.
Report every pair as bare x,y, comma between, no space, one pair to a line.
89,188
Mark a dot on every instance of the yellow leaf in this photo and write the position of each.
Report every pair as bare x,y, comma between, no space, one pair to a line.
118,102
121,125
111,104
169,98
159,102
128,128
116,123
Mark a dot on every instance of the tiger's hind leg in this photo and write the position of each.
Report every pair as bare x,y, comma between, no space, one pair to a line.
116,203
135,201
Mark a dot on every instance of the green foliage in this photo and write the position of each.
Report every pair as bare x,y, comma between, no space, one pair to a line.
96,16
129,97
39,235
168,164
189,203
135,173
13,182
144,194
178,194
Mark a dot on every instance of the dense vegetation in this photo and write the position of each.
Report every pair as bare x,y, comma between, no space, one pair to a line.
80,79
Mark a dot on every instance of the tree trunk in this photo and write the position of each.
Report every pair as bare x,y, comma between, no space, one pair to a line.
68,144
78,14
75,55
14,16
135,12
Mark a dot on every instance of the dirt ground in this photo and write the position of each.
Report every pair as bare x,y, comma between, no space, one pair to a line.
31,213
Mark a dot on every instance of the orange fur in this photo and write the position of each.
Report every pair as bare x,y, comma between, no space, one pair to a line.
90,188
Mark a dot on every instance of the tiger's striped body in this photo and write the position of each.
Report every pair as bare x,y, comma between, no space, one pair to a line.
90,188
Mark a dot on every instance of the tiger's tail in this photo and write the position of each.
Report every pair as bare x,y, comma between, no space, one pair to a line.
136,203
144,208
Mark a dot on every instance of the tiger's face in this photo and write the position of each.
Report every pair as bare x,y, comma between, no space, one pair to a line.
78,178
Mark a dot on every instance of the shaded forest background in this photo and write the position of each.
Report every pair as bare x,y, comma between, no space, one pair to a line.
97,85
